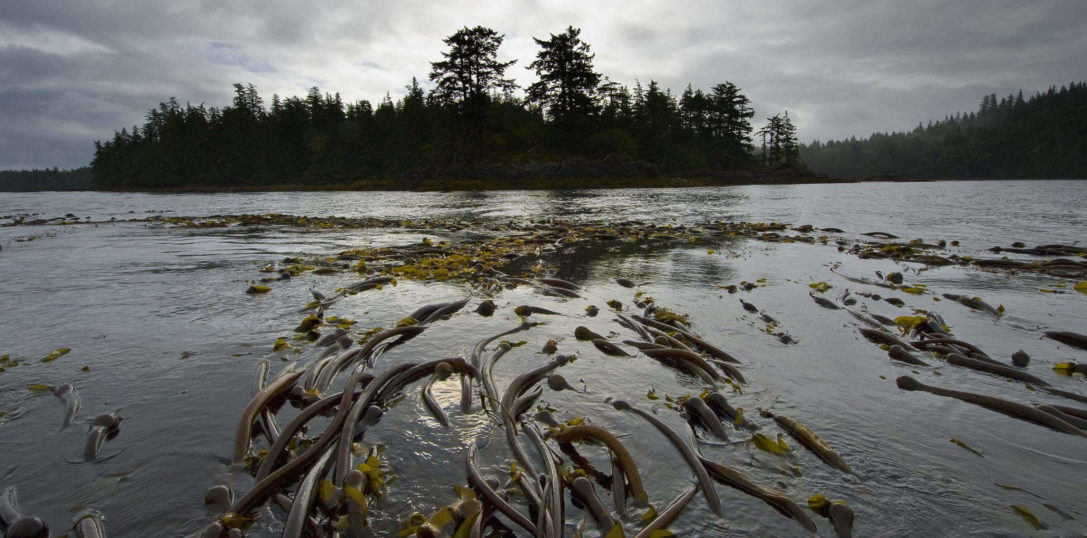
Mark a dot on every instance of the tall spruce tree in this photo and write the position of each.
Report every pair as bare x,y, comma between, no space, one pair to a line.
568,85
730,114
469,72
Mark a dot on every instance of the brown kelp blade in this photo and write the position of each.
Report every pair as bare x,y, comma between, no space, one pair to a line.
1007,407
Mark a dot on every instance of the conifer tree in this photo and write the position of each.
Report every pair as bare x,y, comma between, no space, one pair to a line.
469,72
567,85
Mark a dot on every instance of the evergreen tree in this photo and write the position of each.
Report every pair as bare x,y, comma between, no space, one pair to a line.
568,84
779,144
1013,137
730,113
469,72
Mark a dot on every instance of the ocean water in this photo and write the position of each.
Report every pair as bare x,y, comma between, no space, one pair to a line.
161,330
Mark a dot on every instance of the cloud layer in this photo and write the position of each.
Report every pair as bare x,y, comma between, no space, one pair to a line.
74,72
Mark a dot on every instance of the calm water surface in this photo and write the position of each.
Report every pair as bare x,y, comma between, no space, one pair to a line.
161,330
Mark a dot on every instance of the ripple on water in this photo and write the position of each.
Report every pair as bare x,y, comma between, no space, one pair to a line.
129,299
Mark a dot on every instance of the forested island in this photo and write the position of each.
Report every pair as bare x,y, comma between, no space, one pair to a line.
572,124
1044,136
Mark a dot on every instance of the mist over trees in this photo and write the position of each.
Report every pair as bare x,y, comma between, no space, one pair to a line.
471,124
1044,136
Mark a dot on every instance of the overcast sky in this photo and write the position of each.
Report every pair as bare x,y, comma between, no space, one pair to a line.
74,72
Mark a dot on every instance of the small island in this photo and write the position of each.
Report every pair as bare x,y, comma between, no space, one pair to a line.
574,128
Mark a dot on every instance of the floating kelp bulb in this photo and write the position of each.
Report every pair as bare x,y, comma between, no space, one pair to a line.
558,382
592,311
583,333
219,498
1020,358
486,308
257,288
550,347
108,421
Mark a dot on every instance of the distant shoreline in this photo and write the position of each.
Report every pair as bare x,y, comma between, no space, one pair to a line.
471,185
445,185
573,184
475,185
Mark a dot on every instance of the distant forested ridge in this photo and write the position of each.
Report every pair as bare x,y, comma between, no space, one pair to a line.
50,179
572,122
1044,136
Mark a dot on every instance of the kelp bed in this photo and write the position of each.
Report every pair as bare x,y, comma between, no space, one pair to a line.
529,462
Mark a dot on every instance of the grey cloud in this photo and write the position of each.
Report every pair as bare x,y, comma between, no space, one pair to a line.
72,72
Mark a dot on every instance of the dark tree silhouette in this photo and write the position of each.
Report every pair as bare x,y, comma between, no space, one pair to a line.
469,72
470,125
730,114
779,145
568,85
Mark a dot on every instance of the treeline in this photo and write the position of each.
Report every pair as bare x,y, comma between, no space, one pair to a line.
471,123
1044,136
50,179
